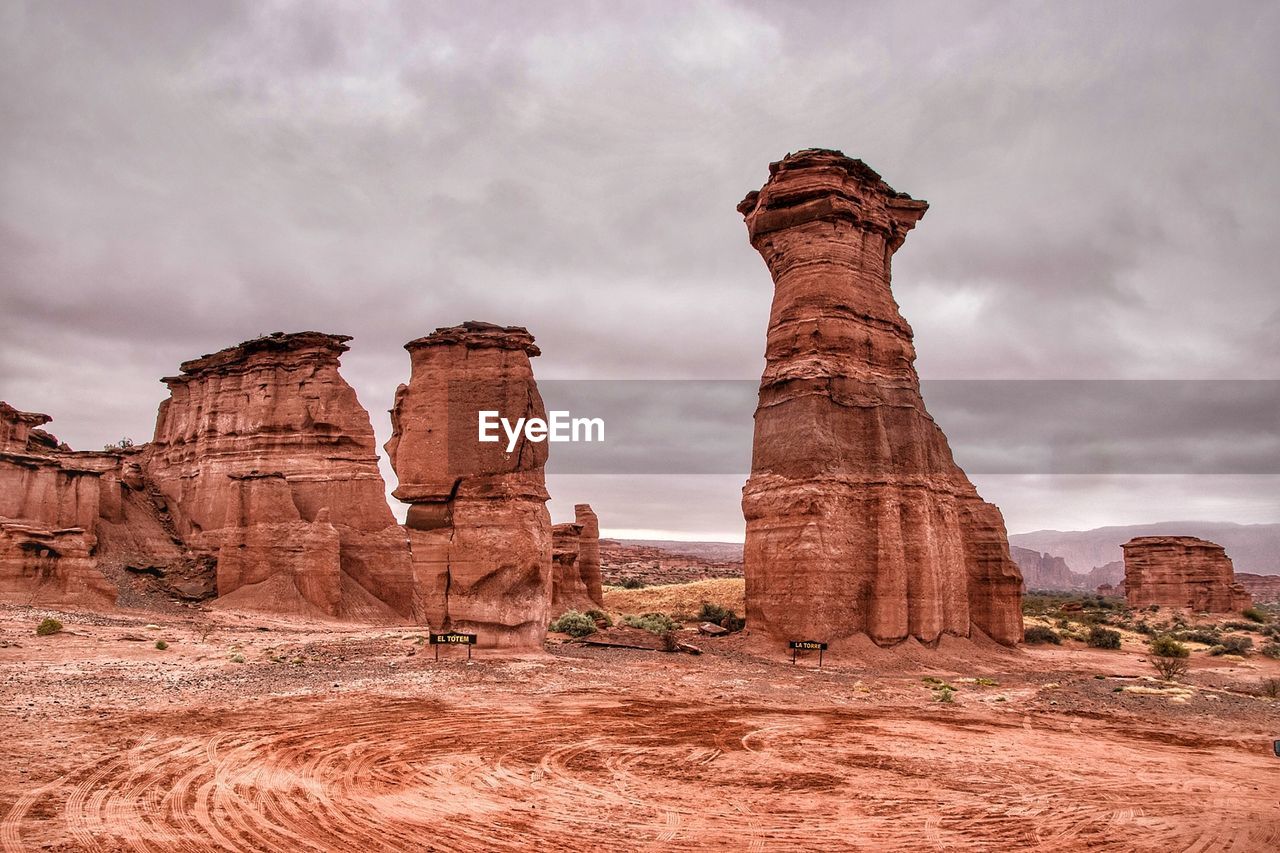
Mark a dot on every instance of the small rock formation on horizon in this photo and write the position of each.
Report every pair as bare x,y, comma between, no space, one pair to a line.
478,525
859,522
1181,571
50,501
575,556
266,463
1263,589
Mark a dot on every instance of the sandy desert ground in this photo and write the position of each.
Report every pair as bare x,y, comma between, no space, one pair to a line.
332,738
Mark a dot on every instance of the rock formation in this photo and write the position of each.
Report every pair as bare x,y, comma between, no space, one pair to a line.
575,561
1181,571
1045,571
1263,589
478,525
858,519
49,506
266,462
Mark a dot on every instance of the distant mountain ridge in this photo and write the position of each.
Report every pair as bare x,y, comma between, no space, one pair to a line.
1252,547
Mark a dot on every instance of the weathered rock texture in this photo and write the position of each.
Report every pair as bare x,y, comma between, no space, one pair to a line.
49,505
266,462
1045,571
858,519
1181,571
575,561
1263,589
478,523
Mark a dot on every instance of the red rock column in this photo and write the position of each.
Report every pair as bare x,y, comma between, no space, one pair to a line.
589,553
858,520
478,524
1181,571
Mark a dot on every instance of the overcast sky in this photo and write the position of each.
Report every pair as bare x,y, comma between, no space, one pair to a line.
178,177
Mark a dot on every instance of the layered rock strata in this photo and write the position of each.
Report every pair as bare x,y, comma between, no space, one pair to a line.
859,522
478,525
575,557
268,433
1181,571
49,507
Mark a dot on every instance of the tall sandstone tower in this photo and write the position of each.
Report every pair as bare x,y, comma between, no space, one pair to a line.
858,519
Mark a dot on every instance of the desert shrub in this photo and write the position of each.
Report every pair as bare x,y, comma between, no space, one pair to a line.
1251,627
657,623
161,645
1253,614
1143,628
1167,647
1208,637
945,693
237,658
631,583
1270,650
722,616
1233,645
600,616
986,682
48,626
1103,638
1170,668
1154,608
1270,687
574,624
1041,634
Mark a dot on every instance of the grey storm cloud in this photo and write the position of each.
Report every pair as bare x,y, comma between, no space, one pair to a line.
1104,199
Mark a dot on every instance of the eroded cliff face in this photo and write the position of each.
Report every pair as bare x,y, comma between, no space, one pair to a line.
858,519
49,506
264,458
1181,571
478,524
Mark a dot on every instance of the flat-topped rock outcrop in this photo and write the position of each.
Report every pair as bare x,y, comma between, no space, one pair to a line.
1181,571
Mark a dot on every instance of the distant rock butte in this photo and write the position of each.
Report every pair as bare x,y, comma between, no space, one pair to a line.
575,563
267,463
478,524
858,519
1181,571
1264,589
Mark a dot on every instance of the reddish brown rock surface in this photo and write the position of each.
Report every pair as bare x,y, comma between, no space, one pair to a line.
858,519
575,562
1181,571
478,524
49,505
277,406
1263,589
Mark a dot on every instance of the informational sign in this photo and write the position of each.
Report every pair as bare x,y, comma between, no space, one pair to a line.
807,646
453,638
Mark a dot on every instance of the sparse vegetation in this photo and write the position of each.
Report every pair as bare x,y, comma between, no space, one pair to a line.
1103,638
656,623
237,658
1206,636
1041,634
632,583
1253,614
574,624
1169,657
1270,687
722,616
1233,645
161,645
122,444
48,626
1270,650
601,618
945,693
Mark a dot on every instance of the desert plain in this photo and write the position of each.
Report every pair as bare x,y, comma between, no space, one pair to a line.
252,732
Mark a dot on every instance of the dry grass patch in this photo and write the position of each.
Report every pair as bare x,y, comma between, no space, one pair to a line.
678,599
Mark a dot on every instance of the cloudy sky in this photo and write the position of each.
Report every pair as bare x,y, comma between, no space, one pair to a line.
1105,200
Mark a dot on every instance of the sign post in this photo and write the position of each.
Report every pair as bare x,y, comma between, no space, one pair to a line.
807,645
453,639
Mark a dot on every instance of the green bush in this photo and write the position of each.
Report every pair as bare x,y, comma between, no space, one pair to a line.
1233,645
1253,614
574,624
1041,634
1208,637
657,623
631,583
1103,638
161,645
48,626
1165,646
1270,650
945,693
722,616
600,616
